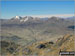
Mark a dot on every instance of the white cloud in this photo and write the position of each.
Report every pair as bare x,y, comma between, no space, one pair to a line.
57,15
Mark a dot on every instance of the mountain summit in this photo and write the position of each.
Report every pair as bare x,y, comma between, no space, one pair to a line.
22,19
17,17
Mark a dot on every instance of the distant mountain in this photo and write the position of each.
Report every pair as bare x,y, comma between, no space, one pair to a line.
30,18
26,18
22,19
71,18
17,17
28,21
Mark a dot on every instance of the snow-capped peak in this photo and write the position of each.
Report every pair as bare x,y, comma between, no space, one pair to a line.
17,17
24,19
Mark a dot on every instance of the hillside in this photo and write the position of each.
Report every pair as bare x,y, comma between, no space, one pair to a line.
65,43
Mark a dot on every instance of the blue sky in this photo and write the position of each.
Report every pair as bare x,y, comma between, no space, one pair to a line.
25,8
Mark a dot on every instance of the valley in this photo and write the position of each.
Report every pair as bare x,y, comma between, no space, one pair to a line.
36,36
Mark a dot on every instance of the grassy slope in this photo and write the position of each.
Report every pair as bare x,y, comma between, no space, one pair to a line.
66,44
